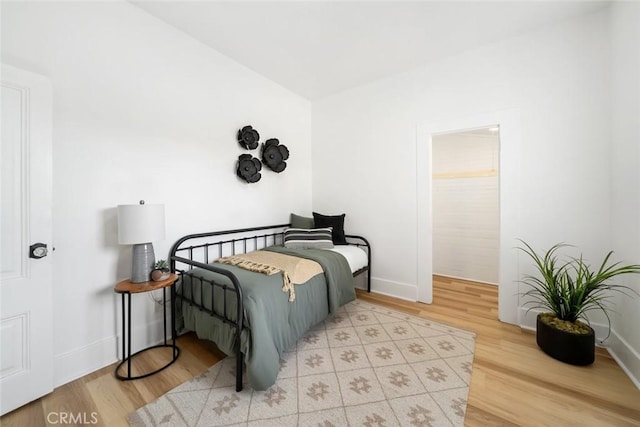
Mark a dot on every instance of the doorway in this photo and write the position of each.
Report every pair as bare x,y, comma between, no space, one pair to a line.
466,204
509,165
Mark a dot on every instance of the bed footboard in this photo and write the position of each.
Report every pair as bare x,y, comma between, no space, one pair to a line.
199,250
237,290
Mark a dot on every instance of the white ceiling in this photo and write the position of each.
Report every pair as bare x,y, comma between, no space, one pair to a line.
317,48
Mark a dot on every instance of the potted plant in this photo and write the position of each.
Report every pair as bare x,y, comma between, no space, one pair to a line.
567,290
160,271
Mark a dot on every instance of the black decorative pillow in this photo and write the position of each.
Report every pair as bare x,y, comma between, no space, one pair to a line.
304,238
336,222
298,221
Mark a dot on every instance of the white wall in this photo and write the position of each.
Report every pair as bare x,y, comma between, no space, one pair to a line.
625,183
576,90
465,205
142,111
556,79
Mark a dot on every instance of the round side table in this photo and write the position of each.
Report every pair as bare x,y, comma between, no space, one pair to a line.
126,288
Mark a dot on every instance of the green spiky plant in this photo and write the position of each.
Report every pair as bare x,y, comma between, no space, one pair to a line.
161,264
569,289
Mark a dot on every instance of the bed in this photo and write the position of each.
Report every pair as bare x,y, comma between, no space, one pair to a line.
248,314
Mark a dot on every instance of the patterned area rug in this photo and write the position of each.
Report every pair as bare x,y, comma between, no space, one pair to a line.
366,366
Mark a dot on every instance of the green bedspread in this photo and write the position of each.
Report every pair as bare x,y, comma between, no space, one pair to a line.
273,323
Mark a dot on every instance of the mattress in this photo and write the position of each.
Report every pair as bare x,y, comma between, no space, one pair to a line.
356,257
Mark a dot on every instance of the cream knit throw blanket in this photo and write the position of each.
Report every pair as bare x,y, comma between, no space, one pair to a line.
295,271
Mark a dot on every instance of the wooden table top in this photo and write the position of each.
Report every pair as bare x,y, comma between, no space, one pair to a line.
127,286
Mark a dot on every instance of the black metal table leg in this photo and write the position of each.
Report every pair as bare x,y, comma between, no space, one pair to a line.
164,315
173,319
126,289
124,348
129,337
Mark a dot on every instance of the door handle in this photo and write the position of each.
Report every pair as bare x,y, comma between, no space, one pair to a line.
38,250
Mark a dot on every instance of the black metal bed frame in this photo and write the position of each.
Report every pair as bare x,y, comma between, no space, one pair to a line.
198,254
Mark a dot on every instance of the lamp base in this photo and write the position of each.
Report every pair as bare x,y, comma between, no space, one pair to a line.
143,262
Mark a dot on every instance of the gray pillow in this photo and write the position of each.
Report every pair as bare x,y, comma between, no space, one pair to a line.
298,221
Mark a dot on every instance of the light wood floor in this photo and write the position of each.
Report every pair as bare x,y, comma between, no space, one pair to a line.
513,382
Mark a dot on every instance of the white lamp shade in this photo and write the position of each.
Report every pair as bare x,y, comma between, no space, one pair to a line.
140,223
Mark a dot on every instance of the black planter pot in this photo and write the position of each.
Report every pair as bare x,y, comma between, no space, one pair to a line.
575,349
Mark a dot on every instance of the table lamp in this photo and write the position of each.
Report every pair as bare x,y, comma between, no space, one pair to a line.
139,225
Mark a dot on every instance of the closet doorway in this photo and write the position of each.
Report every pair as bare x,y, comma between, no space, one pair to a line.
466,204
510,154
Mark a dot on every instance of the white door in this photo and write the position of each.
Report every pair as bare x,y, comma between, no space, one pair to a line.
26,341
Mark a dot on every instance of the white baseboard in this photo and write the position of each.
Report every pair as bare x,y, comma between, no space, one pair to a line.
527,319
84,360
626,356
628,359
394,289
81,361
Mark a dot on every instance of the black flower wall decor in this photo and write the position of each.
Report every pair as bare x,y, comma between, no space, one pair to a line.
248,138
249,168
274,155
